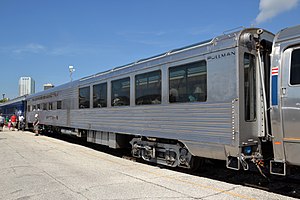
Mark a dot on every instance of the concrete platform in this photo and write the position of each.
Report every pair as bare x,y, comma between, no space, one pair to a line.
40,167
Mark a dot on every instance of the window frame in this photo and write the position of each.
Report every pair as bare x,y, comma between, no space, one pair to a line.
45,106
50,106
106,94
82,103
147,75
252,94
113,92
201,87
59,105
290,70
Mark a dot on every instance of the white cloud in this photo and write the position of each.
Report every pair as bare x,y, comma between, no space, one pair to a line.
271,8
20,51
30,48
34,48
141,33
73,50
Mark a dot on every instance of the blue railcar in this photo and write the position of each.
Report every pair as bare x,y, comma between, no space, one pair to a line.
15,106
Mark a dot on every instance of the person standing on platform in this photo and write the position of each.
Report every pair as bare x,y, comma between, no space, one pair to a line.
21,124
6,121
2,120
36,126
13,120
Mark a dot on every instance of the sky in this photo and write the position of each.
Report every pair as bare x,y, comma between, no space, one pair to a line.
41,39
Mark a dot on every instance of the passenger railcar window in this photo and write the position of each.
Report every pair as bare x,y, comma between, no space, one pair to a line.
100,95
295,68
250,87
120,92
148,88
58,105
50,106
188,83
84,97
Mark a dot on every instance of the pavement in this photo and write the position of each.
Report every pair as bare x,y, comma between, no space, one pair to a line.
41,167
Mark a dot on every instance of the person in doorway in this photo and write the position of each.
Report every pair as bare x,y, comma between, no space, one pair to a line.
36,124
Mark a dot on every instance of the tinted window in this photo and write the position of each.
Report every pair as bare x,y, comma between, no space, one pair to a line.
50,106
148,88
188,83
84,97
100,95
295,68
120,92
58,104
250,87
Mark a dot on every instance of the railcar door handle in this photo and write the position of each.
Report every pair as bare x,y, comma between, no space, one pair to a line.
283,91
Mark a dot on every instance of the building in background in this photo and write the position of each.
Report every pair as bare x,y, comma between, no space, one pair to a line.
48,86
26,86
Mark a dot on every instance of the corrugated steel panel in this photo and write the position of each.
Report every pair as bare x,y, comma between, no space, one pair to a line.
201,122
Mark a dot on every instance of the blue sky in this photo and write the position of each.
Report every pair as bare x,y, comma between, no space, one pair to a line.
41,39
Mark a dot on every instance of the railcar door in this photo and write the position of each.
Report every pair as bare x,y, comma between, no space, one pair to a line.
290,93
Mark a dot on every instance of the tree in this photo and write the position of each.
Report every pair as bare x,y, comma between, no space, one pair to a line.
4,100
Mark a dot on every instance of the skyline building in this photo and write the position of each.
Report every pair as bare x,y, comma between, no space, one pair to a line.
26,86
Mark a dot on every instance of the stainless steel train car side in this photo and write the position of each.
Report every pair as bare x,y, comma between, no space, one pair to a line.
285,102
227,124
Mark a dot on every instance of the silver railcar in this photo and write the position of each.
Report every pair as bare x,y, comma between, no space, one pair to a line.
209,100
285,99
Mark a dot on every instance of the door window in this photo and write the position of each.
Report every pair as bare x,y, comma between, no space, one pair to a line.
250,87
295,68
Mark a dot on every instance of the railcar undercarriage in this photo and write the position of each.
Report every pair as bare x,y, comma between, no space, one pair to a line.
173,153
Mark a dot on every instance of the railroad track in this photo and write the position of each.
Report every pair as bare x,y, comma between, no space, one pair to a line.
287,186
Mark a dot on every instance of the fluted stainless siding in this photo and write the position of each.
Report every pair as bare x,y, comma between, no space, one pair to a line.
199,122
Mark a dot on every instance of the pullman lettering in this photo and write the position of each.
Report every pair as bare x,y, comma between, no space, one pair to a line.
222,55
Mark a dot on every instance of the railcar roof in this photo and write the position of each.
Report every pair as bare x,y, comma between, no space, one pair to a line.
288,33
228,38
17,99
203,43
53,90
213,41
